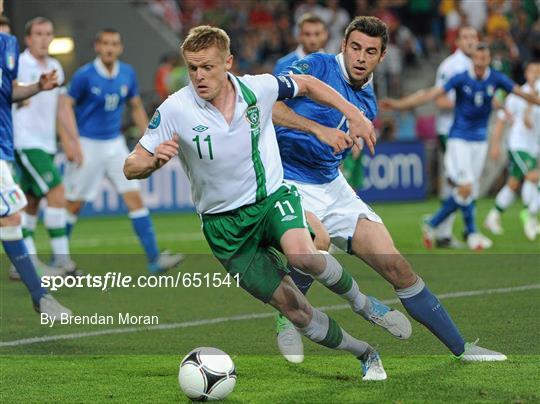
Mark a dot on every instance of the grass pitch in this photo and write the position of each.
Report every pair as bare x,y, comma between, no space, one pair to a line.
138,364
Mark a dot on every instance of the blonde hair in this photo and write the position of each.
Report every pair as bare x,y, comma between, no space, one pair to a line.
205,36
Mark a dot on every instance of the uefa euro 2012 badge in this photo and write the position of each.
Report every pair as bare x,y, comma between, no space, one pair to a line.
155,121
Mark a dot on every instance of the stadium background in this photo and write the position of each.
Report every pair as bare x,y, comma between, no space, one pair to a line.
491,294
421,35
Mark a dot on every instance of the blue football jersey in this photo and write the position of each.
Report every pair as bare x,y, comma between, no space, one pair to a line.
9,64
100,99
474,102
304,157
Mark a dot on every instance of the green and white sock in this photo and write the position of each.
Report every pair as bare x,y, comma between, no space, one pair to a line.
325,331
339,281
55,222
29,224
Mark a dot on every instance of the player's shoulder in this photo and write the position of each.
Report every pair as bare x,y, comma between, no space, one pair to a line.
8,39
258,83
177,103
125,68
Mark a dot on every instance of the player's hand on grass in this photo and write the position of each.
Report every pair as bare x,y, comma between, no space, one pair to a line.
48,81
335,138
362,131
166,151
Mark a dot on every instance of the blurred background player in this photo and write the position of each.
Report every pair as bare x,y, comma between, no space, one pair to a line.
312,36
334,210
34,131
467,140
457,62
97,93
523,147
12,198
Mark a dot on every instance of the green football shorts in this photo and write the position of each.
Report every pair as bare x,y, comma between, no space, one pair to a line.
520,164
39,174
246,240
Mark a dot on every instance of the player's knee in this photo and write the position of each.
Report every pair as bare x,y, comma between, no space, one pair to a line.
322,242
74,207
533,176
55,197
304,259
513,184
398,271
465,190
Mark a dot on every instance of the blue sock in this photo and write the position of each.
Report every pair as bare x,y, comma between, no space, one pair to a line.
448,207
69,229
18,254
469,217
425,308
142,224
303,282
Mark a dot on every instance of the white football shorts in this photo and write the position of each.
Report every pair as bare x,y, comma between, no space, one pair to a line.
337,206
101,158
12,199
464,161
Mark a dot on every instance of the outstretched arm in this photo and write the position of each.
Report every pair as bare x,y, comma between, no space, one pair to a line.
532,98
67,129
414,100
284,116
141,163
47,81
359,125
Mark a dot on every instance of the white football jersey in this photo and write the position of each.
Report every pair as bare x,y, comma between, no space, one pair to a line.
454,64
228,166
521,138
34,123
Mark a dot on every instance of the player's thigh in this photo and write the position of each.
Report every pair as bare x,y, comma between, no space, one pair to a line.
285,225
322,238
374,245
39,174
344,212
477,157
12,198
458,162
520,164
236,240
82,181
115,167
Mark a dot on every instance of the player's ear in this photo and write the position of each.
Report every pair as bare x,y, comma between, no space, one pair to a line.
229,62
382,56
343,43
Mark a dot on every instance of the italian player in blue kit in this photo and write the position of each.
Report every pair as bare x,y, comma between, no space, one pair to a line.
467,141
98,92
12,199
336,213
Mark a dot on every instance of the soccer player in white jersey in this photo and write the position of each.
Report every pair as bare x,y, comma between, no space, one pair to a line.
457,62
34,131
523,150
97,93
221,127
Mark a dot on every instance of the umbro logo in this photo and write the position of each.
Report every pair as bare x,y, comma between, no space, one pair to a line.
288,218
200,128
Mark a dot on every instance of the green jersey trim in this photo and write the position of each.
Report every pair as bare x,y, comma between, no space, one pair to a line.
253,117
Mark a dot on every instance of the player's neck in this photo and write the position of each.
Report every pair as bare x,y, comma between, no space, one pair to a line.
224,101
108,66
39,58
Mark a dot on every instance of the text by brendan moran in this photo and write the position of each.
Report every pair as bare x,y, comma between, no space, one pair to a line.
99,319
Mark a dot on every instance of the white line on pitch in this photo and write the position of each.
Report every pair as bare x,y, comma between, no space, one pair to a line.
251,316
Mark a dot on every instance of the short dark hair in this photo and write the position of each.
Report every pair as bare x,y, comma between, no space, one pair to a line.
311,19
106,31
4,20
371,26
35,21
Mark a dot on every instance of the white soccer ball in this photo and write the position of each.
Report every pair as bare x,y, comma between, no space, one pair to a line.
207,374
